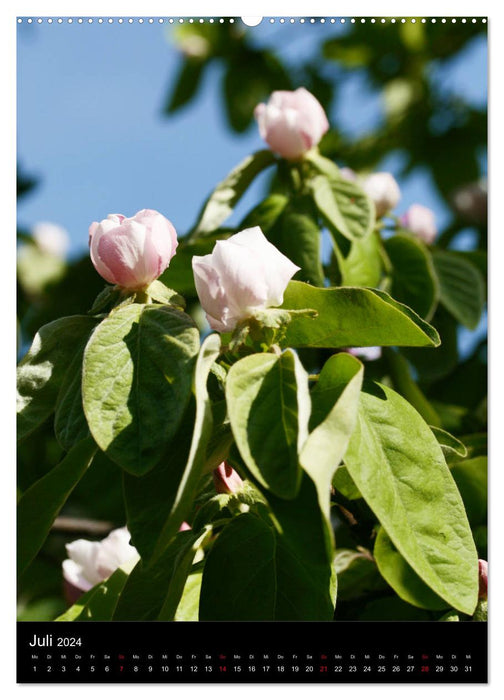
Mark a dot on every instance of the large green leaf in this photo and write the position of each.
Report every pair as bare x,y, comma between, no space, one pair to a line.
362,266
306,588
42,370
344,206
414,281
404,383
472,480
335,400
462,289
403,579
70,424
41,503
188,608
399,468
147,587
181,569
239,577
271,573
136,383
158,502
269,407
348,316
223,199
297,235
187,83
99,604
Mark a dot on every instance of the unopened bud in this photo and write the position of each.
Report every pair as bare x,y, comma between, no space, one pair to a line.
226,480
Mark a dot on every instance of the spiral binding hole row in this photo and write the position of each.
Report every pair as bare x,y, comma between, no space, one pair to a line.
231,20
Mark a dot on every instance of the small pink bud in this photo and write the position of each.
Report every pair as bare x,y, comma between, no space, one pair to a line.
420,221
132,252
292,122
226,480
383,190
483,579
185,526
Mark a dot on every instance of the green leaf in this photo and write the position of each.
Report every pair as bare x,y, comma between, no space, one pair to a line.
472,481
164,295
271,573
348,316
246,551
398,573
407,387
269,407
344,207
362,266
158,502
182,567
462,290
306,580
434,363
414,280
41,503
297,235
357,574
187,84
99,603
137,382
266,213
42,370
335,399
223,199
147,585
251,76
399,468
70,425
451,446
188,607
343,482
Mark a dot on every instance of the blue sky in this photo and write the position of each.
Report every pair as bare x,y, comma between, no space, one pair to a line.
90,124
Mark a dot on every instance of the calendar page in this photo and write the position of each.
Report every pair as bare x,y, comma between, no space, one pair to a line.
252,344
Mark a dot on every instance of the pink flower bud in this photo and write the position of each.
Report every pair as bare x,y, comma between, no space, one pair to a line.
420,221
185,526
292,122
483,579
242,274
132,252
383,190
226,480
